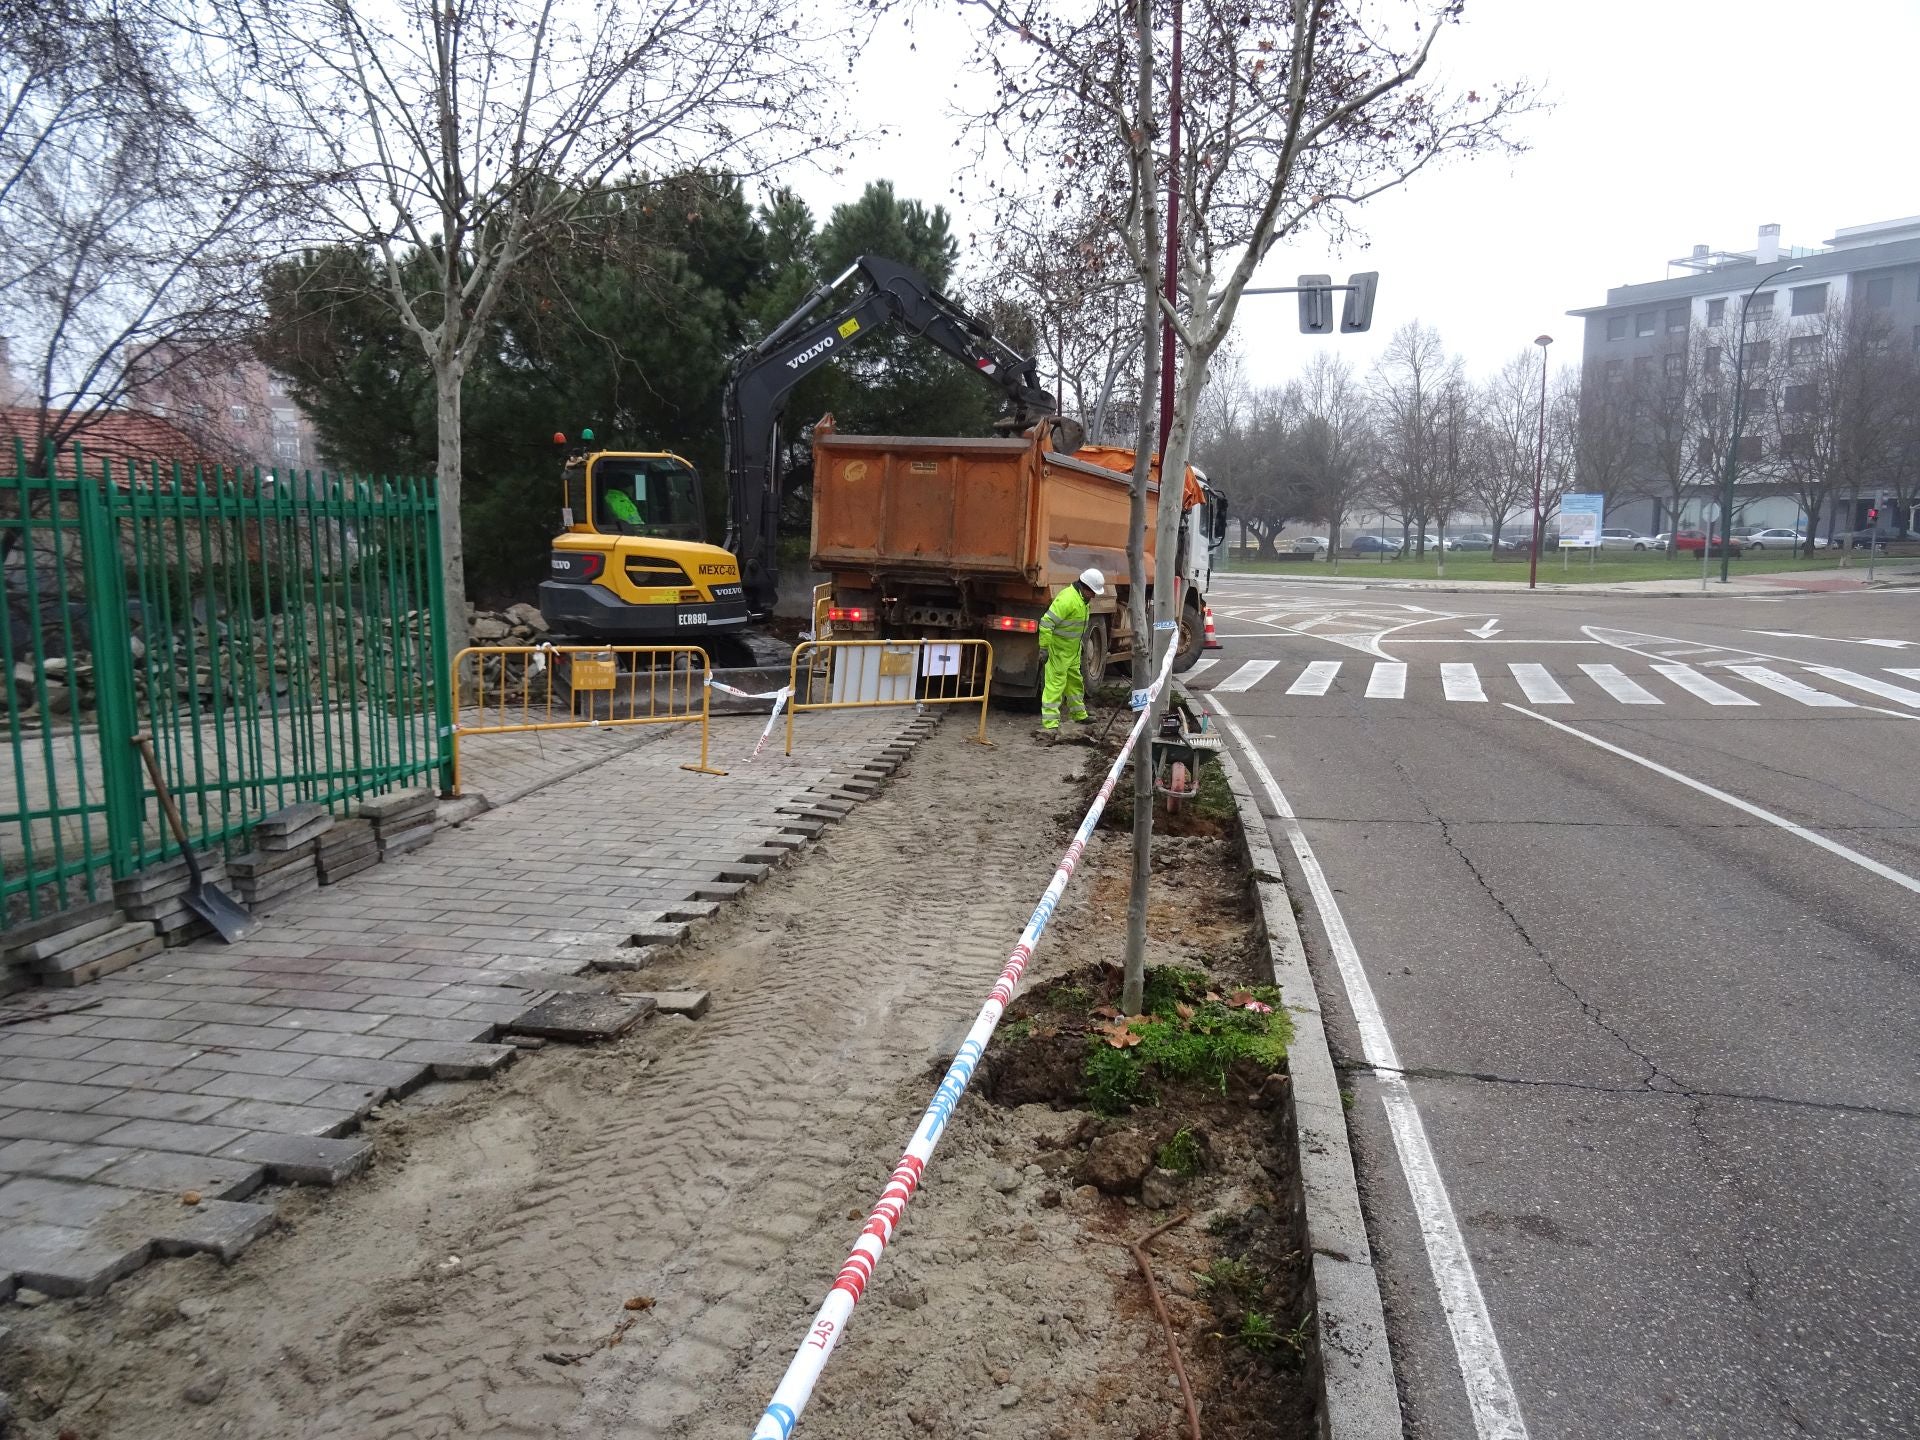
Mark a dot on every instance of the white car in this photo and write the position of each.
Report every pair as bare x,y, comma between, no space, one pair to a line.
1779,538
1310,545
1613,539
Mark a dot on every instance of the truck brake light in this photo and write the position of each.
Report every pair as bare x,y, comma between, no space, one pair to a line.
1017,623
850,614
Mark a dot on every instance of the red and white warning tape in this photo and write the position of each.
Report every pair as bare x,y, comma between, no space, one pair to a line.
779,698
830,1321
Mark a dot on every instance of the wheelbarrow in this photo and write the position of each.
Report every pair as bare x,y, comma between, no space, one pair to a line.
1179,746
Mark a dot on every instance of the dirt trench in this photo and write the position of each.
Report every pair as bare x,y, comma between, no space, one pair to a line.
713,1172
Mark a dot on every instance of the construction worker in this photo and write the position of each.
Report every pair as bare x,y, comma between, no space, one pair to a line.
1061,629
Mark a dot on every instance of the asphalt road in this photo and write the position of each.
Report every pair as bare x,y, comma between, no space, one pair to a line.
1665,1050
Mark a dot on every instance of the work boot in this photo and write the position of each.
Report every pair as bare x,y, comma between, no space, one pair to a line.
1083,718
1046,737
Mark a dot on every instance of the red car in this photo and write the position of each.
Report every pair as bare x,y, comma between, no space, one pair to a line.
1691,541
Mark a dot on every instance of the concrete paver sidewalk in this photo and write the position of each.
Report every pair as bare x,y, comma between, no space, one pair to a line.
141,1123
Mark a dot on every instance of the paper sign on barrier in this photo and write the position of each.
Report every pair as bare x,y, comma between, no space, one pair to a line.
941,660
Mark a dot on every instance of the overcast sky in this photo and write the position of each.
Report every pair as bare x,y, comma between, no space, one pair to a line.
1675,122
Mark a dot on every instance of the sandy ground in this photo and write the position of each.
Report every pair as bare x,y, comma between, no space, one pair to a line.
717,1169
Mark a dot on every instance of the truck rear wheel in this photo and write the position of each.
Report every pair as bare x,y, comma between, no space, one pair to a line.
1193,634
1093,652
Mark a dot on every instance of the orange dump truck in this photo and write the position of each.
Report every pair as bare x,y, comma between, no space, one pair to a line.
972,538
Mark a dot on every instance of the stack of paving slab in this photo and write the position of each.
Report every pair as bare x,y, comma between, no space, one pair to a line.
281,865
402,821
348,848
159,894
73,947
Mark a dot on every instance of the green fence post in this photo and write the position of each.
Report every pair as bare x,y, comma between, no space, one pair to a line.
437,656
106,581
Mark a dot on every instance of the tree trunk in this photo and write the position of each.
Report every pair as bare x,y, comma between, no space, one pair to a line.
448,373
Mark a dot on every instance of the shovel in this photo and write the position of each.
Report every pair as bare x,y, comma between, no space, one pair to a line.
209,902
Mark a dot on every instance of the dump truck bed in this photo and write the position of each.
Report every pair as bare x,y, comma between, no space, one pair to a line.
982,508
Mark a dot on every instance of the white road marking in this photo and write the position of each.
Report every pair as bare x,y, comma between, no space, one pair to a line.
1707,688
1388,681
1539,686
1786,685
1839,639
1248,675
1476,1348
1884,689
1447,640
1316,679
1487,631
1200,666
1627,692
1461,682
1832,847
1907,674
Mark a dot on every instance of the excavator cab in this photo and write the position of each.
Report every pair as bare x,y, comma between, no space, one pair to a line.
632,563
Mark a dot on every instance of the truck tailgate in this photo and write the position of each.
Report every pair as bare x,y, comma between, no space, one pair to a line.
946,505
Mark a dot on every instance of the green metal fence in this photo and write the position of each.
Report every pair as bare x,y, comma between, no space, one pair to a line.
281,636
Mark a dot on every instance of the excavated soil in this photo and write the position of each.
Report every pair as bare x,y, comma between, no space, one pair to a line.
630,1240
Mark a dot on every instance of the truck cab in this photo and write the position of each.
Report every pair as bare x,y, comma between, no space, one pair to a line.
632,563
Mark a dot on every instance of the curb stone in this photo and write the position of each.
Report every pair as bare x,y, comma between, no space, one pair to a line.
1359,1399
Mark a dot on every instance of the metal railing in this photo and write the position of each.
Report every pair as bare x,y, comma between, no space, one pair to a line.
516,689
280,635
854,674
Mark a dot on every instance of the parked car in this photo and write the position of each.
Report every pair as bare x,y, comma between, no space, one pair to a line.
1616,539
1662,540
1310,545
1517,541
1476,541
1858,539
1778,538
1691,542
1375,545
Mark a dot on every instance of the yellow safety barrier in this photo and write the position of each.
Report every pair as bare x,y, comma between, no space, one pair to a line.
519,688
857,674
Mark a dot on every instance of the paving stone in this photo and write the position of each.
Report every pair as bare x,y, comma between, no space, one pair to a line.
455,1061
807,828
747,873
258,864
36,1067
394,1076
99,947
629,957
664,932
332,1042
690,1003
34,1200
690,910
163,1105
282,1061
767,855
289,1119
54,1160
357,1100
168,878
398,804
582,1017
303,1160
405,841
33,931
51,1095
346,1022
290,818
213,1227
719,889
281,1089
423,1027
332,872
172,1173
64,1261
786,842
200,1139
32,952
54,1125
244,1037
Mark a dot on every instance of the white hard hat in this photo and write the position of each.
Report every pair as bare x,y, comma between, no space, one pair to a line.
1094,581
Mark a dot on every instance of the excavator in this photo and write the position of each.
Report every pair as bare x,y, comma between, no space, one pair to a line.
632,563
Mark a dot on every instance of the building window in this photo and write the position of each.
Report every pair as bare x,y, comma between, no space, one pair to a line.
1802,398
1614,371
1810,300
1756,352
1642,366
1755,401
1646,323
1677,317
1750,447
287,449
276,386
1796,445
1616,327
238,412
1716,312
1761,306
1877,293
1916,339
1713,359
1802,348
1676,365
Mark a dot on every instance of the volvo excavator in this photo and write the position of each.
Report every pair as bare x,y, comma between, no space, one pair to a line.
632,563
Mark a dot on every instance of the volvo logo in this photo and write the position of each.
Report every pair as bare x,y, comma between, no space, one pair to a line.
807,354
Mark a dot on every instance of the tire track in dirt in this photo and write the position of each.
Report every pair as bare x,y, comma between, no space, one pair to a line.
721,1180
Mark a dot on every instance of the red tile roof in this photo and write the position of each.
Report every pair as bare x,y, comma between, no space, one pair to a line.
119,436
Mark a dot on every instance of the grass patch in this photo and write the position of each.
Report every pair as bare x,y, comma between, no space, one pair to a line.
1190,1033
1257,1333
1183,1154
1016,1029
1576,569
1233,1276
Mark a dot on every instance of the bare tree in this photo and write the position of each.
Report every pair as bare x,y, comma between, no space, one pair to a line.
133,205
468,130
1415,389
1608,433
1501,483
1837,406
1332,440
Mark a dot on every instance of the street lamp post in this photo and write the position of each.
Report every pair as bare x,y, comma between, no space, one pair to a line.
1733,437
1539,463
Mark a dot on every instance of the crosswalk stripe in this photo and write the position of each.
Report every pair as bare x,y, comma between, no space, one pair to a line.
1199,666
1791,688
1248,675
1539,686
1388,681
1461,682
1907,674
1882,688
1609,679
1316,679
1704,686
